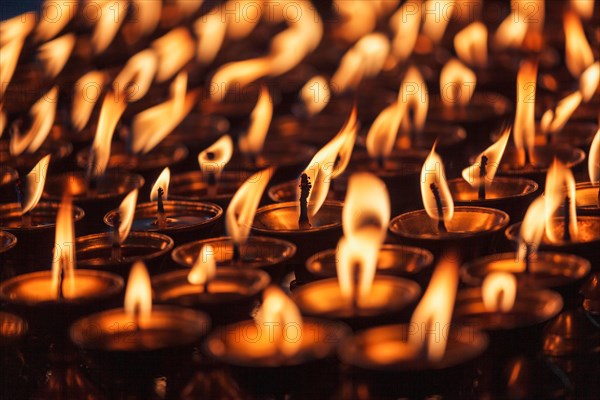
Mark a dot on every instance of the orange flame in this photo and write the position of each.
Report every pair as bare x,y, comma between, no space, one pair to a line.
63,262
511,32
88,89
126,214
110,17
367,207
433,173
584,8
279,311
588,81
554,121
323,167
34,184
359,19
42,113
243,205
594,159
220,153
457,83
240,25
210,30
145,19
137,75
532,228
162,182
205,267
152,125
113,107
413,92
524,128
55,16
471,44
494,155
175,49
238,74
405,24
358,254
315,95
2,119
499,291
434,311
138,294
382,135
435,24
579,54
252,142
13,33
558,178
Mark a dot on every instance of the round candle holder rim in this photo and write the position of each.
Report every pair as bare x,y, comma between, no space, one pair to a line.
78,215
116,287
137,180
450,235
577,157
333,204
530,185
512,231
8,241
229,182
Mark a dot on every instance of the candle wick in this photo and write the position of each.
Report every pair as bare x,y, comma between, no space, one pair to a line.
25,216
528,254
599,198
482,177
206,286
567,218
500,300
116,244
236,252
438,203
305,187
61,278
162,220
355,279
90,176
211,178
381,162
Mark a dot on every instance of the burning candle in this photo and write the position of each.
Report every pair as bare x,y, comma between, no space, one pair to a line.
226,294
588,193
440,224
184,221
65,292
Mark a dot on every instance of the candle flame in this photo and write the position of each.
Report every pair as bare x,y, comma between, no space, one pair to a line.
494,155
145,19
553,121
405,24
588,81
499,291
413,92
471,44
126,214
214,158
560,183
42,113
511,32
162,182
87,91
252,142
110,17
238,74
138,294
55,17
435,24
524,127
280,312
315,95
457,83
210,30
205,267
532,229
434,312
578,53
136,77
152,125
594,159
63,262
175,49
243,205
54,54
34,184
584,8
238,26
359,19
382,135
364,60
330,162
433,174
357,257
13,33
113,107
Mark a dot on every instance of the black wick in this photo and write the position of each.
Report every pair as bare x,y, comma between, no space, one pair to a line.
438,203
305,187
482,175
566,231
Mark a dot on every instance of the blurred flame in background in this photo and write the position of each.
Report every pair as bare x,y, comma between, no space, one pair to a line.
578,53
88,90
137,75
111,15
560,183
252,142
13,33
499,291
433,173
524,127
471,44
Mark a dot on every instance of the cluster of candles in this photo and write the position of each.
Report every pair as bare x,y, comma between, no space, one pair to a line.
319,223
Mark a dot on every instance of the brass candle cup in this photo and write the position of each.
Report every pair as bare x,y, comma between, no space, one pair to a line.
393,260
587,195
281,221
563,273
515,331
32,297
586,245
8,178
265,253
35,243
474,231
511,195
391,300
12,329
95,252
24,162
402,170
543,156
231,296
111,188
186,220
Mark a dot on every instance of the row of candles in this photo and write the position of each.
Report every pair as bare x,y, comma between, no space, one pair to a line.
331,226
